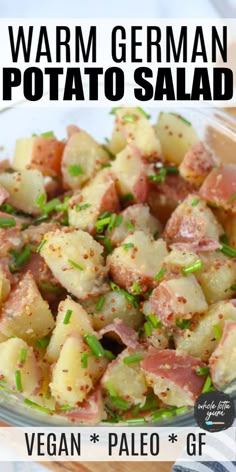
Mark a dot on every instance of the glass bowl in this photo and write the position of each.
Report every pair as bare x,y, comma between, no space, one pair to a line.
215,127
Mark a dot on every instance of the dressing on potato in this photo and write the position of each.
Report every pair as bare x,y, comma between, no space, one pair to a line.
117,271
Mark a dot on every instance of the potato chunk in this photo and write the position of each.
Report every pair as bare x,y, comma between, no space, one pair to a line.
115,305
30,374
176,136
76,260
141,220
81,159
178,298
125,380
138,259
39,153
133,127
79,322
71,382
201,340
25,314
223,360
98,196
130,173
24,188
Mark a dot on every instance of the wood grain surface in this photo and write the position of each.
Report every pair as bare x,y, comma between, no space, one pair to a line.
109,467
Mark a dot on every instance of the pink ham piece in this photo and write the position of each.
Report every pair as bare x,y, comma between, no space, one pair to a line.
207,244
220,186
127,335
90,411
4,194
223,359
184,228
196,164
172,375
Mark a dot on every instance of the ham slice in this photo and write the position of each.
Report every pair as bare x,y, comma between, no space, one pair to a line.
172,375
127,335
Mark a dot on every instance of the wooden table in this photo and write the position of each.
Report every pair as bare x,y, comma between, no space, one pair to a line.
109,467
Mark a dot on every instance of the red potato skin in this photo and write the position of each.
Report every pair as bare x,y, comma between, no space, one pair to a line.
72,129
9,236
196,164
184,228
164,197
219,186
141,187
127,335
47,155
90,411
178,368
110,201
125,276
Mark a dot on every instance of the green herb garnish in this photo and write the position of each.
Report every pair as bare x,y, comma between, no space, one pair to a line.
18,380
232,198
131,359
110,154
75,265
202,370
23,355
183,324
42,343
217,332
194,267
7,222
127,246
195,202
75,170
227,250
100,303
67,317
128,197
147,328
94,344
160,274
41,245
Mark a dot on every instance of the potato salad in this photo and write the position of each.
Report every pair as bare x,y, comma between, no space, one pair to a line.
117,271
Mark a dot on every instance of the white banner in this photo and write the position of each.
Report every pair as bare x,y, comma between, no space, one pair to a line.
116,444
91,62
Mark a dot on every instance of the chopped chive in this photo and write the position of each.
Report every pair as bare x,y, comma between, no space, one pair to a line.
227,250
74,264
129,118
111,223
107,140
20,259
51,288
39,219
75,170
119,402
84,359
181,410
202,370
195,202
163,413
105,166
37,407
182,119
109,355
101,223
7,222
194,267
207,385
129,225
224,238
79,207
131,359
47,134
144,113
127,246
131,298
213,205
67,317
41,245
233,287
232,198
183,324
155,322
112,413
110,154
111,389
160,274
7,208
128,197
139,420
105,214
18,380
94,344
100,303
23,355
107,243
151,402
147,328
51,206
42,343
114,110
66,408
41,200
136,410
63,206
48,395
136,289
162,173
217,332
119,220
